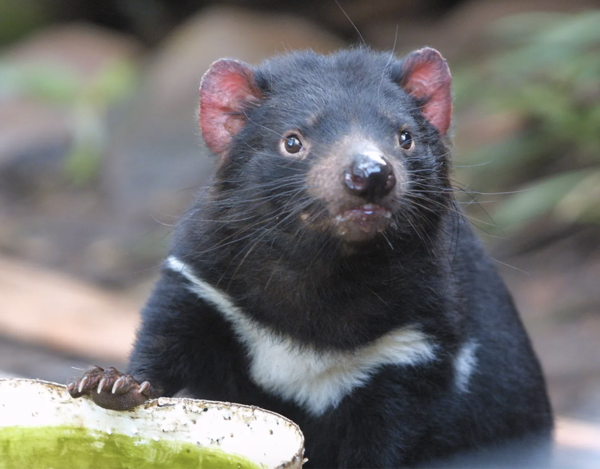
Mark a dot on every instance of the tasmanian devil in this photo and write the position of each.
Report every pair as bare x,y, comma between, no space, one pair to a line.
327,273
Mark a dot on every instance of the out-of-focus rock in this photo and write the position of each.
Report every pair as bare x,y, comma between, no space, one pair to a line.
220,32
47,79
43,307
83,49
34,139
157,151
33,117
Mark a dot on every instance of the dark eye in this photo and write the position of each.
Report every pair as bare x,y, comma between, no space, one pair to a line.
406,140
291,144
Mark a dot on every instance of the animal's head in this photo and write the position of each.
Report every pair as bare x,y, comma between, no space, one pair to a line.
349,145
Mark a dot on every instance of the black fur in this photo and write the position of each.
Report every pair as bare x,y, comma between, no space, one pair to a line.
244,236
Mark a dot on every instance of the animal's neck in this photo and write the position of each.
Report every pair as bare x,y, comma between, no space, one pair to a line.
336,300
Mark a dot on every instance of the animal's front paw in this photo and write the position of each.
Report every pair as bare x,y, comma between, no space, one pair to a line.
111,389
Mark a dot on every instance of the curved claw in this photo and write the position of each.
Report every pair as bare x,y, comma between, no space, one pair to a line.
102,384
119,383
82,383
145,388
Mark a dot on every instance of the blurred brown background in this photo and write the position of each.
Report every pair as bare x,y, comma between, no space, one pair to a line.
100,153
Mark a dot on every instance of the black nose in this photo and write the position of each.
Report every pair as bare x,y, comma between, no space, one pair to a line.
370,176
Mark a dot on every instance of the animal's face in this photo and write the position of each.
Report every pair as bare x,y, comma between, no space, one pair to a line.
348,145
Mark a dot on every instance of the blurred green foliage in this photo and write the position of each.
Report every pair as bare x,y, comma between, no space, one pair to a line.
543,72
19,17
86,100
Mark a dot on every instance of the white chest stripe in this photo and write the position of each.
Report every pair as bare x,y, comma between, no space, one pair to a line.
316,381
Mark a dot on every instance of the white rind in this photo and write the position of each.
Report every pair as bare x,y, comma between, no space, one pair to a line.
265,438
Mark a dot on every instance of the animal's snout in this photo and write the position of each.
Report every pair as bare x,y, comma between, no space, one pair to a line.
370,176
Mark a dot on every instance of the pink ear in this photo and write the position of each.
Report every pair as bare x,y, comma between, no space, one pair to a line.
225,90
425,75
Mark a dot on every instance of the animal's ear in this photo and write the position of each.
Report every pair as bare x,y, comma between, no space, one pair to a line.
225,91
426,76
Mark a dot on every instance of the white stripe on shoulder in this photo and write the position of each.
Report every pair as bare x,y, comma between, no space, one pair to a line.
465,362
317,381
207,292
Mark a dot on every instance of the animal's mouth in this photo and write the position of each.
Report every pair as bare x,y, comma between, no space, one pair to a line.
362,223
